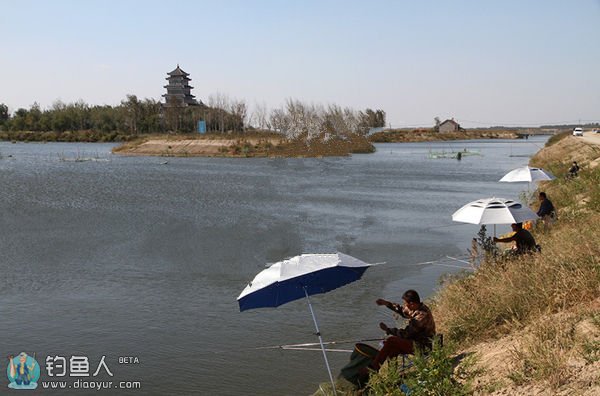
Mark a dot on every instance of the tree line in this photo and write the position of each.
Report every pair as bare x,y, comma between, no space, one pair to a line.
222,114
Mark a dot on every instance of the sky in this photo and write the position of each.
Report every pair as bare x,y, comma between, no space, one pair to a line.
481,62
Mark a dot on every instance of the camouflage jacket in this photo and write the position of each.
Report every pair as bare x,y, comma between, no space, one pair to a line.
420,328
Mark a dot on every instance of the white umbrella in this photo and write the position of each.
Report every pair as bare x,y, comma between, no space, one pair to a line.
527,174
300,277
493,211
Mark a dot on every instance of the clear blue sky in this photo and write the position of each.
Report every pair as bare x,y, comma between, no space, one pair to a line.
488,62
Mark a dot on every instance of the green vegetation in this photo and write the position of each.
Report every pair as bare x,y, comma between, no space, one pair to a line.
430,375
134,117
558,137
107,123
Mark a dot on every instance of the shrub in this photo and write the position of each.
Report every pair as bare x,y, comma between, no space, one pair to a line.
430,375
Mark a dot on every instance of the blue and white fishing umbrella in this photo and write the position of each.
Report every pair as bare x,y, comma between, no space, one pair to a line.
300,277
292,279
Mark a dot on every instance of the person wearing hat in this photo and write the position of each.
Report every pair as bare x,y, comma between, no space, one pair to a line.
21,372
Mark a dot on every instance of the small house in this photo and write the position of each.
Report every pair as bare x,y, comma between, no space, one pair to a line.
449,126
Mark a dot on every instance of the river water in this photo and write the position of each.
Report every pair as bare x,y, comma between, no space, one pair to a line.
135,257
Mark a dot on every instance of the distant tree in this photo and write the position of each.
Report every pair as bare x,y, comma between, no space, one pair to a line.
436,128
173,112
80,115
260,116
220,103
278,120
308,121
150,116
106,118
4,115
372,119
132,110
33,118
239,112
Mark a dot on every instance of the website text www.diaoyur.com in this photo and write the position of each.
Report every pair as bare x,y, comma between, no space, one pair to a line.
93,385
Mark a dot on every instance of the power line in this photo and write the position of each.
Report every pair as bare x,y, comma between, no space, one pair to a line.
498,123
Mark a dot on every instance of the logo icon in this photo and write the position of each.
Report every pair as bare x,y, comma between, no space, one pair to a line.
23,371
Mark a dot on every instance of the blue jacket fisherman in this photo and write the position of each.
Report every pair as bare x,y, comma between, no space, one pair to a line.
546,210
21,371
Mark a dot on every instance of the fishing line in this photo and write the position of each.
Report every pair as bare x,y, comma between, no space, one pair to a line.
452,266
446,225
457,259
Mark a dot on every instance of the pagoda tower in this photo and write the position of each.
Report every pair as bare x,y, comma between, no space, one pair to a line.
179,90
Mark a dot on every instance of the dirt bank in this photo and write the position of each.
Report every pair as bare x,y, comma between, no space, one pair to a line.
427,135
553,349
186,147
586,151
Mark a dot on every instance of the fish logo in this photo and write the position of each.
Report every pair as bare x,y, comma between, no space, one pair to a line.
23,371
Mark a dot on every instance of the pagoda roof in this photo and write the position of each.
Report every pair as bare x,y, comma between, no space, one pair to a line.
178,72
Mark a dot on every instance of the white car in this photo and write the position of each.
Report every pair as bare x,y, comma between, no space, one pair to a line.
578,132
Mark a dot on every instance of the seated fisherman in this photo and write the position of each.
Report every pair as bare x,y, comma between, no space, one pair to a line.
574,169
523,238
546,211
418,334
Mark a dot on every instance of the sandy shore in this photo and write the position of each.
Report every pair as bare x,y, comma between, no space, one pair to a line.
245,146
187,147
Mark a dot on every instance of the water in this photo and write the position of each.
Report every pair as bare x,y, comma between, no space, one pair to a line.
127,256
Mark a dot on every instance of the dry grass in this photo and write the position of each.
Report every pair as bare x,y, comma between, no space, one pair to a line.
544,298
509,293
536,318
505,294
428,135
544,353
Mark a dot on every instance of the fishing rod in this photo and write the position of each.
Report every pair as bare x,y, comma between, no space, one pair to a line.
311,344
457,259
318,349
453,266
445,225
439,262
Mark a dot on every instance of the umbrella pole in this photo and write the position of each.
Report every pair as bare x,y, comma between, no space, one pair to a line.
320,341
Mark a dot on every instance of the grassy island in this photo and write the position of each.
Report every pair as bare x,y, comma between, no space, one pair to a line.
246,145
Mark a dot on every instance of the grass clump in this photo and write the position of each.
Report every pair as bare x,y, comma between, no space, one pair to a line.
431,374
557,138
544,354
